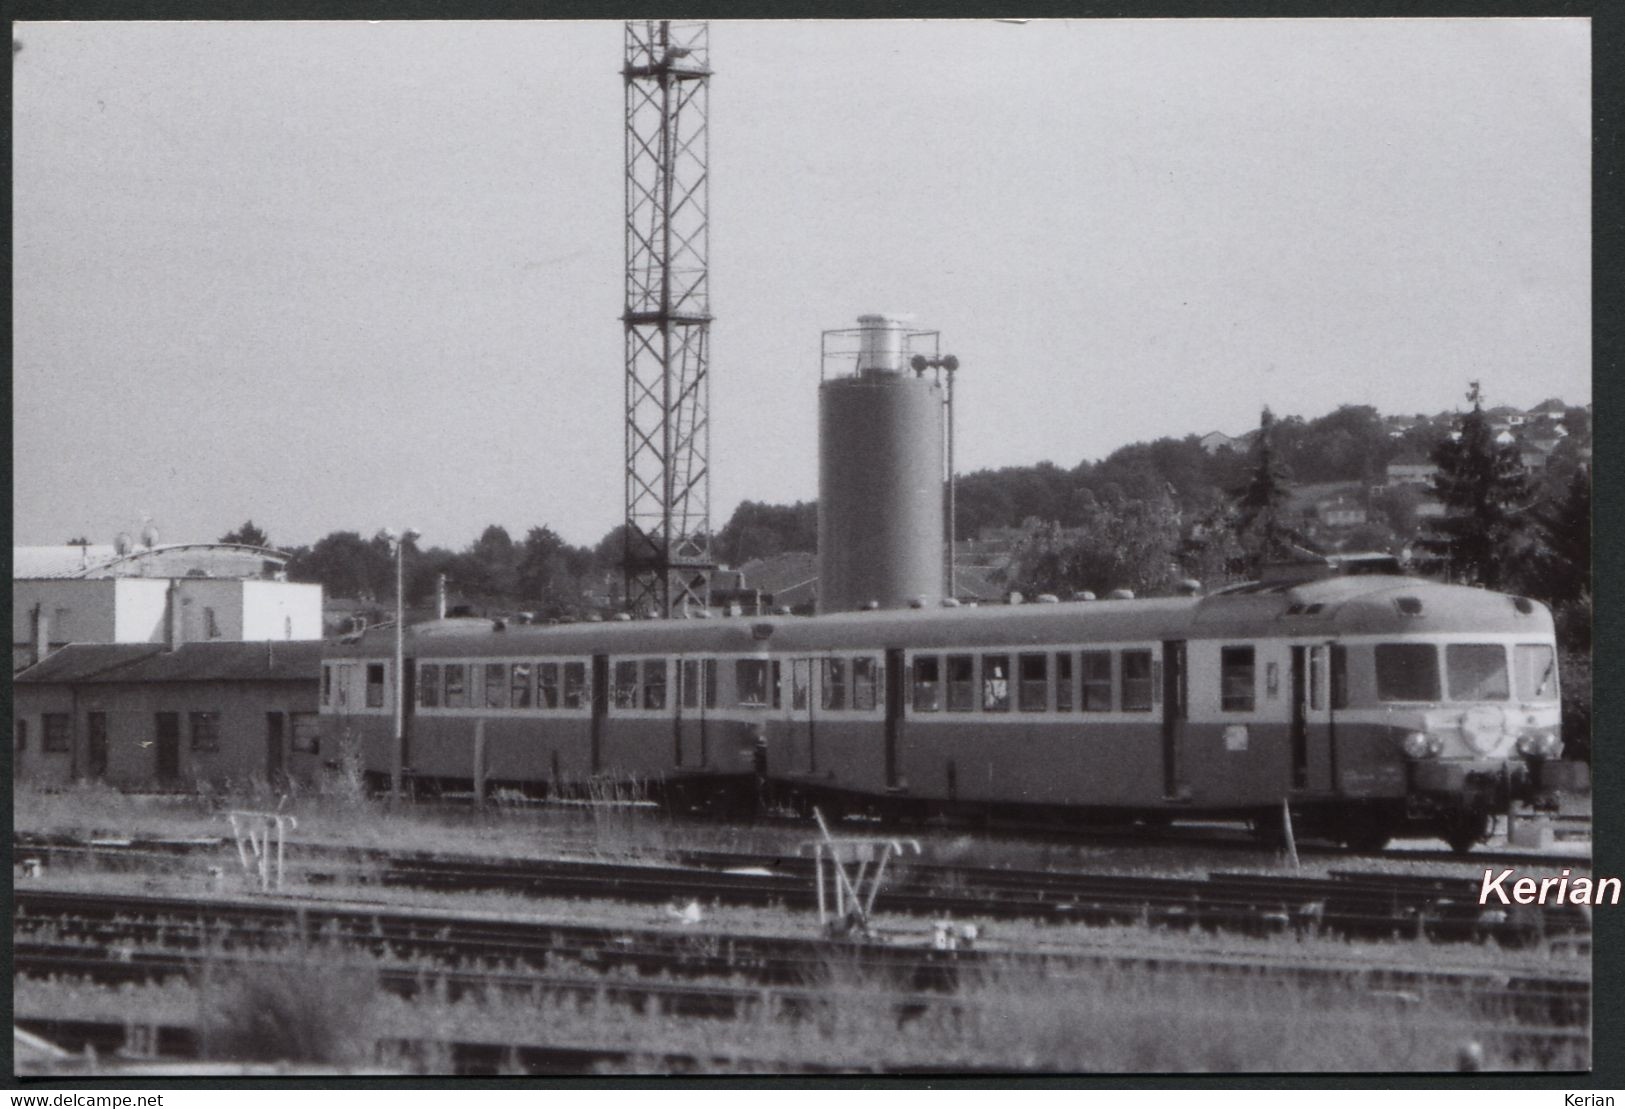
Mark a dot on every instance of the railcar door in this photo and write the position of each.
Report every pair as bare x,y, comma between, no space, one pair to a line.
799,709
1174,693
896,690
600,706
169,745
697,679
1313,760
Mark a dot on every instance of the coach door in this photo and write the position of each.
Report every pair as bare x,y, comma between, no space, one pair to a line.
169,745
600,706
1311,718
799,707
698,681
896,691
1174,691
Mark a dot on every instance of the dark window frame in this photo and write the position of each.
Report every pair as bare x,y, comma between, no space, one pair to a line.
1093,686
990,701
1030,689
56,731
429,685
203,730
1238,678
375,686
919,685
1136,693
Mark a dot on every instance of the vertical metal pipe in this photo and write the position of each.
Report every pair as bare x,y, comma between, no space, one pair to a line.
953,507
400,658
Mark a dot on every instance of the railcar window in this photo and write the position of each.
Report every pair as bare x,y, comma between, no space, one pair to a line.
961,683
429,685
205,730
1477,671
750,682
834,684
1237,685
1097,681
1063,682
1316,664
375,685
1407,672
688,678
547,684
496,685
1537,672
576,693
521,687
1137,681
776,684
57,733
710,683
995,683
476,685
624,691
455,697
1034,692
654,683
927,683
800,676
863,684
1340,676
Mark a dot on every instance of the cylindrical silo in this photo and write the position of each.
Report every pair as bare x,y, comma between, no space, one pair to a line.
880,479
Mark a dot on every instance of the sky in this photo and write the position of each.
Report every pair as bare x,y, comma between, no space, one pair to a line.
364,275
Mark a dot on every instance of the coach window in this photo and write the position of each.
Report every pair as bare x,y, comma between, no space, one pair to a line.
995,683
710,683
1097,681
429,685
688,681
496,685
456,697
1034,692
1237,692
1537,672
1317,667
476,685
375,685
1137,681
623,692
520,685
1407,672
927,683
205,730
576,693
961,683
1063,682
800,677
863,684
547,684
58,737
1477,671
750,683
654,683
834,684
1340,676
775,682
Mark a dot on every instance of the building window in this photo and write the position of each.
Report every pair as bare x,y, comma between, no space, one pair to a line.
456,695
429,685
58,733
212,628
1137,681
927,683
750,682
1097,681
496,685
863,683
327,685
961,683
834,684
22,734
1034,691
375,685
307,732
654,683
995,683
521,685
1237,692
1063,682
624,692
205,727
576,693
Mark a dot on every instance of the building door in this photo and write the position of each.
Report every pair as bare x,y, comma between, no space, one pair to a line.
896,690
274,729
600,706
169,745
1174,689
96,735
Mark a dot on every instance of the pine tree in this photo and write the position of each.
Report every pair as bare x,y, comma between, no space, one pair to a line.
1484,489
1261,504
249,535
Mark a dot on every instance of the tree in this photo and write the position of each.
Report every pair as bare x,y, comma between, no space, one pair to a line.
1484,489
1128,544
1261,503
551,572
80,542
248,535
347,565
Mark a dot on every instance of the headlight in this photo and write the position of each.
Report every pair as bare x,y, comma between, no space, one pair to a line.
1538,745
1419,745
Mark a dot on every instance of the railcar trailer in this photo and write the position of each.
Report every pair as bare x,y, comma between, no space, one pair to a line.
1371,704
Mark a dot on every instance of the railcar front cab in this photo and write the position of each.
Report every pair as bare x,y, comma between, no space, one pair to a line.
1475,717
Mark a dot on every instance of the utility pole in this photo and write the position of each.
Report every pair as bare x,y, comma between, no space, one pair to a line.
667,555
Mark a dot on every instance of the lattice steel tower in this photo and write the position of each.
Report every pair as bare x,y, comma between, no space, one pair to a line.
667,556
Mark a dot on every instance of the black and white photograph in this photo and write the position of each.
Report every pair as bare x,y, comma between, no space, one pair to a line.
963,549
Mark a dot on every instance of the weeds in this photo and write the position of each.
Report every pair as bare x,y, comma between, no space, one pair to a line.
309,1005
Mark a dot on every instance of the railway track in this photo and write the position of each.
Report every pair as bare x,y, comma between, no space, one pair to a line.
1356,904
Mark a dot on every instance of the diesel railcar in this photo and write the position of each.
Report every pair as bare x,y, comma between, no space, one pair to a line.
1370,704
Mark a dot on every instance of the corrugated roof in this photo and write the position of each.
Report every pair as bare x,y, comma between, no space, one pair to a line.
273,661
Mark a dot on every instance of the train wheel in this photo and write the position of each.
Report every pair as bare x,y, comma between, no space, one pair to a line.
1463,830
1367,837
